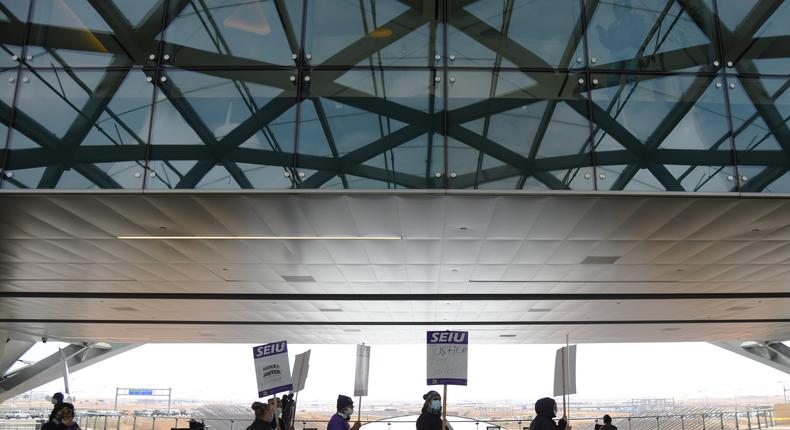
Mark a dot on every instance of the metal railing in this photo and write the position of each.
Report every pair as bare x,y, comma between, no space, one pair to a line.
756,419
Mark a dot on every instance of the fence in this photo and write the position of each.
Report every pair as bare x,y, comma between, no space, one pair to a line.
748,420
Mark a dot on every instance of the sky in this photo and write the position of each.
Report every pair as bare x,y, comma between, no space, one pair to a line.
521,373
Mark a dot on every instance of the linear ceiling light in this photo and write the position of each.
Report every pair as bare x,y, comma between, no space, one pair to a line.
259,237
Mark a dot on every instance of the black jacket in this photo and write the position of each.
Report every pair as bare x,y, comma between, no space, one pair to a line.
259,425
544,410
276,421
54,414
429,421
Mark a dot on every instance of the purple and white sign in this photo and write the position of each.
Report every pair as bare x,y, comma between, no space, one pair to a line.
448,355
272,369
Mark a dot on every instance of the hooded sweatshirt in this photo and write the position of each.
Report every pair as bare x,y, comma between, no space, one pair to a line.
429,419
544,410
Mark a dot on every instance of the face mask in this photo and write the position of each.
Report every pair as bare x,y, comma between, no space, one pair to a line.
54,401
279,412
436,405
346,413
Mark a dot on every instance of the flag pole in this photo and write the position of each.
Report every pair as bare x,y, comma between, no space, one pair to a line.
444,409
567,363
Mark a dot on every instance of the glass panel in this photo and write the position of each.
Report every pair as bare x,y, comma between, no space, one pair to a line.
207,124
380,125
80,129
71,33
652,35
661,132
234,33
760,113
528,126
381,32
520,33
13,15
756,35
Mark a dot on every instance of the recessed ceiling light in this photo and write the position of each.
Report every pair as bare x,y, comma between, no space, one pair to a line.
599,259
259,237
298,278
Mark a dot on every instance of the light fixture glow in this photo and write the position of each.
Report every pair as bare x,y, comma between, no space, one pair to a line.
259,237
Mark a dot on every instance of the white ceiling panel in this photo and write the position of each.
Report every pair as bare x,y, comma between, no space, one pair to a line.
374,215
513,218
63,272
423,251
559,217
498,251
386,251
390,272
460,251
603,218
536,251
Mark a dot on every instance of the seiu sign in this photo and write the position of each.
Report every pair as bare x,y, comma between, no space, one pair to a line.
448,337
270,349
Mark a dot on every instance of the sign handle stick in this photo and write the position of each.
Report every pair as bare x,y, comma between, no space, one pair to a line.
567,363
293,416
444,408
274,405
564,402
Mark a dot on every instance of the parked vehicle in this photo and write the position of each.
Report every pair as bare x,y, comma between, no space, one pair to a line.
17,415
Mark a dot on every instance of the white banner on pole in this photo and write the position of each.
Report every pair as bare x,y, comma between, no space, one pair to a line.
448,355
362,371
301,366
272,369
570,371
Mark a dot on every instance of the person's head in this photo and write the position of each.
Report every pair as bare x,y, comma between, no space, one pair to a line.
607,419
262,411
66,414
433,402
546,407
345,406
57,398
